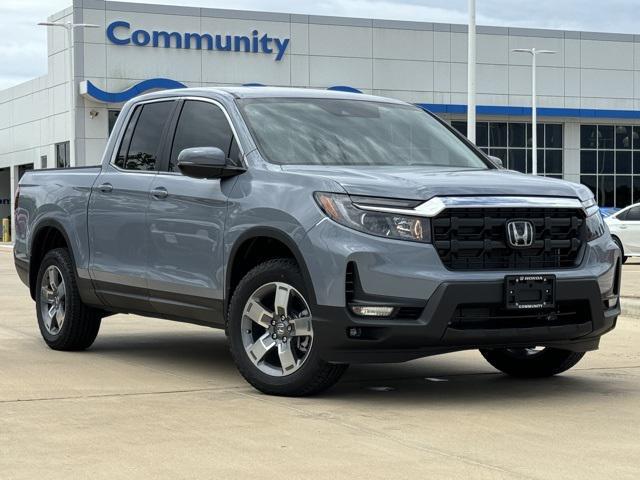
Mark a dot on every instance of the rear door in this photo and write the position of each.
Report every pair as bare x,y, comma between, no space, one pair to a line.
117,209
186,218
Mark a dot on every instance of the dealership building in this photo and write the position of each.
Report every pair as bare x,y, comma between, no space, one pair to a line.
588,91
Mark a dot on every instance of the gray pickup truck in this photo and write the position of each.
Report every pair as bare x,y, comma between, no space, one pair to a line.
318,229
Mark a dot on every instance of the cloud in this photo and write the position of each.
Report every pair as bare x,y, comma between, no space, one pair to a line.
23,49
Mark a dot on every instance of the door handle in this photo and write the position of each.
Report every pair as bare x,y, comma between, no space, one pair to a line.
159,193
623,227
106,187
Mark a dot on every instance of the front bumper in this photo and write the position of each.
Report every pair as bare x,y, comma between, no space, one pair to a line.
462,309
439,329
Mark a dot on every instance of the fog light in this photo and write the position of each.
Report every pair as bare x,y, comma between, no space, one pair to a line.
354,332
372,311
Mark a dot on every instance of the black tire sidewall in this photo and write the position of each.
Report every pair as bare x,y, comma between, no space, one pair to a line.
617,241
280,270
75,311
549,362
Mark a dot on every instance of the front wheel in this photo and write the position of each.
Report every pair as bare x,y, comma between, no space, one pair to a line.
271,337
531,362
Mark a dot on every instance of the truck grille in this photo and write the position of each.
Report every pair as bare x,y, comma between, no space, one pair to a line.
476,238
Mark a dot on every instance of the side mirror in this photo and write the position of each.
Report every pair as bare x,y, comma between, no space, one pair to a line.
497,161
206,162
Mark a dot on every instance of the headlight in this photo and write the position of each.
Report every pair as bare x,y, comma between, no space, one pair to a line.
341,209
595,226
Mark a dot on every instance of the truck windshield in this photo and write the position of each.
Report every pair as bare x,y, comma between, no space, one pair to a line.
305,131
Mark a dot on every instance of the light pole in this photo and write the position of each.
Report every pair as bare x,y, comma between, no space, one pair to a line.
69,27
534,109
471,74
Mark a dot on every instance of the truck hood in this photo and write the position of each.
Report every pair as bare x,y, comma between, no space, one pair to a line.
422,183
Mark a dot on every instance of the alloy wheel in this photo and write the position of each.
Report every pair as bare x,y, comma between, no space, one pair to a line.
53,300
277,331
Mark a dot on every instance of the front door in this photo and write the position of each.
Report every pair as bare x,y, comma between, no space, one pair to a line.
118,207
186,218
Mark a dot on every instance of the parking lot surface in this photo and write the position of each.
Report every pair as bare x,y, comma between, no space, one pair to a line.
156,399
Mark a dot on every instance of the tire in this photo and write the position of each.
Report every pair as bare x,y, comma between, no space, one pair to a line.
619,244
79,324
527,363
269,360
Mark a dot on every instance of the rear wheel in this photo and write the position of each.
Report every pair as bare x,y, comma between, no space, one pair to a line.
619,244
532,362
65,322
271,337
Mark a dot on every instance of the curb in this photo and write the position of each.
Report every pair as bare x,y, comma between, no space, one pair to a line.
630,306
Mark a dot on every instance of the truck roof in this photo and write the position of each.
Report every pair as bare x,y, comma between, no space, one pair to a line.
266,92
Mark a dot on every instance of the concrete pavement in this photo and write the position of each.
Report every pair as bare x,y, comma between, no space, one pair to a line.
156,399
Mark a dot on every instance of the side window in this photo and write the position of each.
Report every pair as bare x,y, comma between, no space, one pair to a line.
202,124
633,214
142,138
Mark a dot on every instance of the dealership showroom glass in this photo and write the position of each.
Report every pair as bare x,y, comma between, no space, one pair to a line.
588,93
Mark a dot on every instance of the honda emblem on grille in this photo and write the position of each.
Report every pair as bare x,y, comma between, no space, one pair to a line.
520,233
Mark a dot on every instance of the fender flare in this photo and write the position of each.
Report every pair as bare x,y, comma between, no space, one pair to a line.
47,223
275,234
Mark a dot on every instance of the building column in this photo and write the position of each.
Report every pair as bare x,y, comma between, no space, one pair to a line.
571,152
14,178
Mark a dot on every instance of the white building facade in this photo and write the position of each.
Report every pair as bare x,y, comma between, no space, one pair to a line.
588,92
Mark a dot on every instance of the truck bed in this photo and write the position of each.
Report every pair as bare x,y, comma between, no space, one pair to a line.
50,196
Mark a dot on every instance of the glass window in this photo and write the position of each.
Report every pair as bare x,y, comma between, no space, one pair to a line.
202,124
460,127
606,191
623,162
553,135
326,131
540,133
588,136
605,136
142,150
590,181
633,214
636,188
553,161
636,138
623,137
623,190
497,134
43,161
517,135
540,161
62,155
482,134
605,161
588,161
636,163
518,160
112,117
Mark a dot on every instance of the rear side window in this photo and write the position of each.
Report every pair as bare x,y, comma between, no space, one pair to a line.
633,214
141,141
202,124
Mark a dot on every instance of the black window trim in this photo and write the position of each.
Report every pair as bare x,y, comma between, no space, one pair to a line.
173,125
134,115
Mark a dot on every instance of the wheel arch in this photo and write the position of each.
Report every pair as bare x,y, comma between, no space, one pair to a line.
47,235
617,239
245,247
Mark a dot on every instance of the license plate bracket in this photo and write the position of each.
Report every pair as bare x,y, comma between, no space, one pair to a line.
530,292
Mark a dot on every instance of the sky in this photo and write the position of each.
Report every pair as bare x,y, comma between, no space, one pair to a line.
23,44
